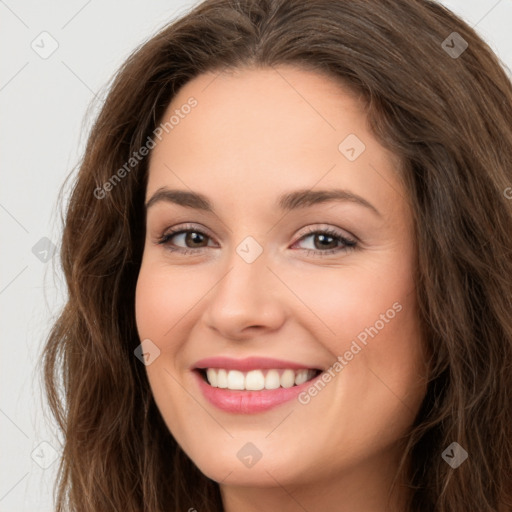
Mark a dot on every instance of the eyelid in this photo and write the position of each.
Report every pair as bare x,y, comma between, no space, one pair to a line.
335,231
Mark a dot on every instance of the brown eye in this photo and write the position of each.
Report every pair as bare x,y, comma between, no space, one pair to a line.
325,241
328,241
194,238
184,240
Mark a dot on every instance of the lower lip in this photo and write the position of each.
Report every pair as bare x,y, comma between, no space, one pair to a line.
250,402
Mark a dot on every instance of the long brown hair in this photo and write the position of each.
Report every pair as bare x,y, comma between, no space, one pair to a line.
444,109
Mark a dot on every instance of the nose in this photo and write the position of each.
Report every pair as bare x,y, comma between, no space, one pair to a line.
247,301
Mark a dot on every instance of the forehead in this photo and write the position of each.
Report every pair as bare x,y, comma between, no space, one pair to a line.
258,132
259,104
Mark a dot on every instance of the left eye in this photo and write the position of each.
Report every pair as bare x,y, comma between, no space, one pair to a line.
326,241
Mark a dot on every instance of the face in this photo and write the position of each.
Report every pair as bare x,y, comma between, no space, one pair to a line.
296,263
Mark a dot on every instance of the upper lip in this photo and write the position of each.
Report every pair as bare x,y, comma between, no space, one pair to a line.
249,363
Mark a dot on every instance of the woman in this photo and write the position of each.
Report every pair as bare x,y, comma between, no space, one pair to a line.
262,369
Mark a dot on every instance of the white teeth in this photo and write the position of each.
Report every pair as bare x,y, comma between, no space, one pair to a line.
236,380
222,378
211,375
256,380
272,380
301,376
288,379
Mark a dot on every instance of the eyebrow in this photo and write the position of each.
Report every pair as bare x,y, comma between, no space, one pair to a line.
289,201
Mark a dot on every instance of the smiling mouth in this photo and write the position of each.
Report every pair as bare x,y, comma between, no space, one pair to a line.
255,380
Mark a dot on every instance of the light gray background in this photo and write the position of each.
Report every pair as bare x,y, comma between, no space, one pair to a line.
44,103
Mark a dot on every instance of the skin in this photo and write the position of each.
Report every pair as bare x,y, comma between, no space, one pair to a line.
254,135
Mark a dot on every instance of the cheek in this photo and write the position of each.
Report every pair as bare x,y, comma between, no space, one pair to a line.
367,315
341,304
163,298
151,300
161,303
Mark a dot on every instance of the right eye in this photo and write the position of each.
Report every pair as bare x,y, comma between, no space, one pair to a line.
189,235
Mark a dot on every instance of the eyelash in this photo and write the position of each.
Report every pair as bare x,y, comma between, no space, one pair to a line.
350,244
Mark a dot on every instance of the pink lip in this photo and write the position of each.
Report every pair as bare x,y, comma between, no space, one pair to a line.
249,363
249,402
